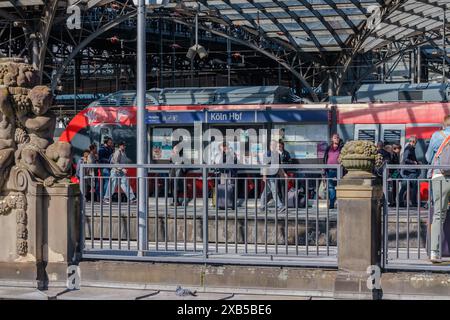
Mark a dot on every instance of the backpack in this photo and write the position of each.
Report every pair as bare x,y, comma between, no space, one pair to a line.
442,156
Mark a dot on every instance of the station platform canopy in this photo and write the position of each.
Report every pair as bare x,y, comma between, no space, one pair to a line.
308,25
332,25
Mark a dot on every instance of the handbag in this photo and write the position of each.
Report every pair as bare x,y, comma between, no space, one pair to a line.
322,190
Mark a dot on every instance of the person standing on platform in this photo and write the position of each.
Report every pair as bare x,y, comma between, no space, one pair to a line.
331,157
104,157
440,185
117,173
409,158
285,158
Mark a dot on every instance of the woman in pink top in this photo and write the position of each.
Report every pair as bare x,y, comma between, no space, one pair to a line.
331,157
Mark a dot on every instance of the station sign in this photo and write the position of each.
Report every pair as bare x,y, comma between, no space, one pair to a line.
224,117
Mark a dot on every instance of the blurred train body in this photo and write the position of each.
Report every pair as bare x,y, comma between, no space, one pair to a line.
309,125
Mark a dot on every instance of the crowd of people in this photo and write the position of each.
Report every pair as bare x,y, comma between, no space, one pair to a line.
106,180
102,183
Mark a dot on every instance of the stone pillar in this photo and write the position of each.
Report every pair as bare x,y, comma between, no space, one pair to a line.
62,234
21,230
40,234
359,235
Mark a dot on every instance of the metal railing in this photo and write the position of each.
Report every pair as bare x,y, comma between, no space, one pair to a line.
407,218
212,214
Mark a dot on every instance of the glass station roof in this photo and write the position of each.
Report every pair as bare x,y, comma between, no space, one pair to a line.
330,25
313,25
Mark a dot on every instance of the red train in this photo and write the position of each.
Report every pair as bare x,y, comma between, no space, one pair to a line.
307,127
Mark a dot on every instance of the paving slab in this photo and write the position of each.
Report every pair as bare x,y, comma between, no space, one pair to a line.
171,295
92,293
19,293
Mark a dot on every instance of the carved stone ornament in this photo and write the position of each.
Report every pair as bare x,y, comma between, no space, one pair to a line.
27,149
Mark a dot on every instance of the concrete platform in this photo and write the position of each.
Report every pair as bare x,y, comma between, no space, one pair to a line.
107,293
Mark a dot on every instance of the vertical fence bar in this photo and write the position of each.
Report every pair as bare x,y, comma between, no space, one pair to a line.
83,210
119,210
385,216
256,216
226,213
418,219
92,195
327,219
194,180
440,212
111,192
101,210
128,218
175,211
397,217
185,212
166,213
235,216
216,200
286,206
339,177
205,212
307,218
265,216
276,213
408,189
430,202
156,213
246,215
296,213
138,230
317,216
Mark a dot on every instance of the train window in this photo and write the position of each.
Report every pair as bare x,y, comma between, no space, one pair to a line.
392,136
410,95
367,134
393,133
304,141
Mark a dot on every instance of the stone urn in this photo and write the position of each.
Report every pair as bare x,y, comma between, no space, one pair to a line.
359,158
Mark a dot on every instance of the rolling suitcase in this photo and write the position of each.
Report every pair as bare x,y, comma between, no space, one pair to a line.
293,195
225,196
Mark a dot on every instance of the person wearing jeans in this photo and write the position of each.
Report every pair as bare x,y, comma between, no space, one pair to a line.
332,157
119,157
104,155
440,188
409,158
119,175
270,180
332,175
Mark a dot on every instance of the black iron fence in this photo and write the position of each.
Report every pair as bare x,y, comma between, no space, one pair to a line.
408,213
218,214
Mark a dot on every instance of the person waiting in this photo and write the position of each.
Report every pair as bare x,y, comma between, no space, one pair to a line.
105,153
440,186
285,158
409,158
117,173
270,177
331,157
